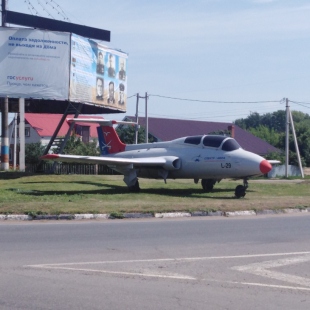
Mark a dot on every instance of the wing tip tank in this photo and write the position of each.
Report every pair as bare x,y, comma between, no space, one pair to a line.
50,156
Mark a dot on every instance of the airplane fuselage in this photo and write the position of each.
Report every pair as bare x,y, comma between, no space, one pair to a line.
195,161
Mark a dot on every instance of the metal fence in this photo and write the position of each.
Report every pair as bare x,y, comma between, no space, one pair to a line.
67,168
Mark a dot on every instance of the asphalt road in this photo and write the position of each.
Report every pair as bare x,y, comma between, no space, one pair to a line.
205,263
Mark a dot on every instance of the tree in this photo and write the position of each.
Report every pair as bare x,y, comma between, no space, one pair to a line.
276,156
271,128
275,120
75,146
127,134
267,134
303,138
252,121
33,152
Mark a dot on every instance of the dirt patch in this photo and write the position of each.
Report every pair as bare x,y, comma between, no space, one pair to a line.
306,171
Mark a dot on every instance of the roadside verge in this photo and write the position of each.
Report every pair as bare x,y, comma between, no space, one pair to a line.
22,217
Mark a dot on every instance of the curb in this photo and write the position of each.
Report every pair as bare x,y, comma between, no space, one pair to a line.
22,217
240,213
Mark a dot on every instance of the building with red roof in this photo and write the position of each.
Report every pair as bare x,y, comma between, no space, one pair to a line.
41,127
162,129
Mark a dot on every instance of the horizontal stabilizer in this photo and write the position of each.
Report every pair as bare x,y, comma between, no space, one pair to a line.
273,162
103,122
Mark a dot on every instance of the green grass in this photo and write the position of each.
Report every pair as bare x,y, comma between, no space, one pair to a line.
59,194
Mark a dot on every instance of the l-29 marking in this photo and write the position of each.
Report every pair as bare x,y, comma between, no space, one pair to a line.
226,165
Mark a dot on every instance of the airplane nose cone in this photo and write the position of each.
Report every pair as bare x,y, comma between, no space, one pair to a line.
265,166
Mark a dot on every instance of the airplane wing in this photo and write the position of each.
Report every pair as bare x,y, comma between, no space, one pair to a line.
167,162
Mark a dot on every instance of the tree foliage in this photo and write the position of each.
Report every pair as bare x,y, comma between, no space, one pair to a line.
127,134
75,146
271,128
33,152
267,134
275,121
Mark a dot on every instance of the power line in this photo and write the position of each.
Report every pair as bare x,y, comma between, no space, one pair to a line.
31,8
215,114
219,114
231,102
45,9
211,101
229,112
55,6
299,102
302,105
52,4
200,118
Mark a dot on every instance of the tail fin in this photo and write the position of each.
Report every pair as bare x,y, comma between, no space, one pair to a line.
109,141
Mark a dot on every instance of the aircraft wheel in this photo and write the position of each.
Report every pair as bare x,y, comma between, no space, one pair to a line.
135,188
240,191
207,185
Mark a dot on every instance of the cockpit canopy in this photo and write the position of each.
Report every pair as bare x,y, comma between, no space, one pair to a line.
215,141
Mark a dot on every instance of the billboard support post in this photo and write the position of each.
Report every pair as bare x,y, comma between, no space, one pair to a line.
5,135
21,134
15,142
4,113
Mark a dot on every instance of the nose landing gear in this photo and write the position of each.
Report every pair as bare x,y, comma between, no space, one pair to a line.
240,189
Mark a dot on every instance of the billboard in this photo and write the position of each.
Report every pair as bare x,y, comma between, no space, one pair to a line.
98,74
39,64
34,63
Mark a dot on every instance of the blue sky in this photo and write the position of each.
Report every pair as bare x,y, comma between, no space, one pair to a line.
208,50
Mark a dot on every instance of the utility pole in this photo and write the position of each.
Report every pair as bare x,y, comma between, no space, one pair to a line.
137,119
4,114
296,145
289,120
287,133
146,120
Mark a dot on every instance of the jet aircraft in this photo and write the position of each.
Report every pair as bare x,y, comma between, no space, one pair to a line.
209,158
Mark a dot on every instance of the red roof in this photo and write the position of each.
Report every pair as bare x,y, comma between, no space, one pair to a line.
45,124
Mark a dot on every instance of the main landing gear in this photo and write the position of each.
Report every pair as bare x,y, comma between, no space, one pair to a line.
135,188
208,184
240,189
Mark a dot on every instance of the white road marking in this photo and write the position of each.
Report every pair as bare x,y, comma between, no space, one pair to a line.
262,269
171,259
179,277
272,286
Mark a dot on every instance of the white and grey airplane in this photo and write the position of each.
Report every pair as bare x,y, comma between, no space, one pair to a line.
209,158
